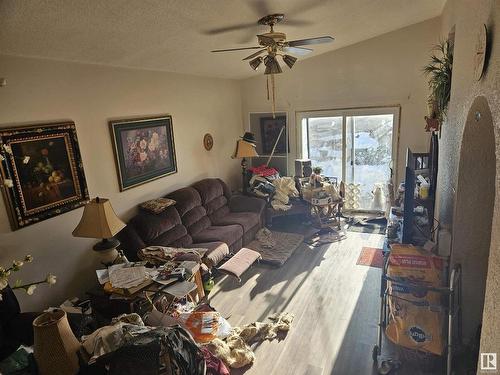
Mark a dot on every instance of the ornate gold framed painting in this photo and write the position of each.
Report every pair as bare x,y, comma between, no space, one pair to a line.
41,172
144,149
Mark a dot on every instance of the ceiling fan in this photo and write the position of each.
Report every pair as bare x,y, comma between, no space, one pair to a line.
274,43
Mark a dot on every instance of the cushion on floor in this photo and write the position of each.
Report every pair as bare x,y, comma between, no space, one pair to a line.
240,262
284,246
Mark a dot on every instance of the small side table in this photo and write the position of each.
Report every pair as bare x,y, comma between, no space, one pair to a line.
105,308
326,214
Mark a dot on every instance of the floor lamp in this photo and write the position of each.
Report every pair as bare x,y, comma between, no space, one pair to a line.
244,150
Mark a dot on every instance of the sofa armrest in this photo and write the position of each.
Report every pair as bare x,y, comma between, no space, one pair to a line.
243,203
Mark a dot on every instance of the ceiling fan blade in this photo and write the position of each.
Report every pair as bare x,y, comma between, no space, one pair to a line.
309,41
221,30
287,22
235,49
259,7
305,7
300,51
255,54
266,41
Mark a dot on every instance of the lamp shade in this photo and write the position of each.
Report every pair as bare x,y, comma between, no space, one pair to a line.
289,60
272,65
244,150
99,220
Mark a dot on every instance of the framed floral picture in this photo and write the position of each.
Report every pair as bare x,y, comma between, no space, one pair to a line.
41,172
144,149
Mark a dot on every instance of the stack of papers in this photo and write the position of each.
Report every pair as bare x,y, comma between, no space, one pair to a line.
126,277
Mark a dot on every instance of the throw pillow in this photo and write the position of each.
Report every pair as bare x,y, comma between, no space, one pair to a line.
158,205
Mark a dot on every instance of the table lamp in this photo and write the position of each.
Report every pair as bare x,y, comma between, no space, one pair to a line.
244,149
100,221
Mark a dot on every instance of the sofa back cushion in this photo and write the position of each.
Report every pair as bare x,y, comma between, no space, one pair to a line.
163,229
215,196
193,215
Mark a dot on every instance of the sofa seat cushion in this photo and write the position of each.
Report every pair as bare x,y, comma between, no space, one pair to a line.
227,233
216,252
247,220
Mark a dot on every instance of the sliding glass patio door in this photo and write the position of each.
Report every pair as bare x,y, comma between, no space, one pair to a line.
356,146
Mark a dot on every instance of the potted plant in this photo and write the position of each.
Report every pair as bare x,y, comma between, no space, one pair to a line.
9,306
439,71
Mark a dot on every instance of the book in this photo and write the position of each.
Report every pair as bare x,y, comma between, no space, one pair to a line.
127,291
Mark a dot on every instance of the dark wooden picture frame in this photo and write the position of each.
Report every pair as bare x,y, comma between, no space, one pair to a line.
144,149
269,130
41,171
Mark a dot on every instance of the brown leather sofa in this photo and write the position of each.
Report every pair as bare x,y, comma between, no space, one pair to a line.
206,215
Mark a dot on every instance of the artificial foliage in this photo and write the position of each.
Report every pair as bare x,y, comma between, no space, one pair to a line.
439,71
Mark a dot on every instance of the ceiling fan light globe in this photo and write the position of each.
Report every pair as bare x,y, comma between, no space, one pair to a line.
254,64
289,60
272,65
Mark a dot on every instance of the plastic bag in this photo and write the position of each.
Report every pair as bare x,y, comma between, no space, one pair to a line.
203,325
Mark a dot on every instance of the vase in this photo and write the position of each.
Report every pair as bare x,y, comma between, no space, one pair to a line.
56,346
9,308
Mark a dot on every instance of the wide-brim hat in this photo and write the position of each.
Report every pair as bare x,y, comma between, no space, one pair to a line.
249,137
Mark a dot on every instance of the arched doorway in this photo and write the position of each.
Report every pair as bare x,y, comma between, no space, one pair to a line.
475,197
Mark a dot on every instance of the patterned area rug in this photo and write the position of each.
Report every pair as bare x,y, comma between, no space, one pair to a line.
371,257
376,226
286,244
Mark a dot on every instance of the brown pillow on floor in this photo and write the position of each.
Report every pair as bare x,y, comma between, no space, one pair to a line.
158,205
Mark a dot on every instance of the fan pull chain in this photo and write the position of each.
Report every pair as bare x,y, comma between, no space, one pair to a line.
273,93
274,96
267,86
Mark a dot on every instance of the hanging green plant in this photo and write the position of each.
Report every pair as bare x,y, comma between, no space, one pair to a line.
439,71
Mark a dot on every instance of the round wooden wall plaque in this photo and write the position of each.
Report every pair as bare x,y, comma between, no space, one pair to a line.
208,141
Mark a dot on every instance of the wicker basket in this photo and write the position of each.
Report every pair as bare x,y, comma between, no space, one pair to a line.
55,344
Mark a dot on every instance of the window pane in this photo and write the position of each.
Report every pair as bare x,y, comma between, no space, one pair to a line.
325,144
370,145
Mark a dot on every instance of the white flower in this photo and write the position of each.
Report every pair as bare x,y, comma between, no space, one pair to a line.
51,279
30,290
7,149
3,283
26,160
17,264
8,183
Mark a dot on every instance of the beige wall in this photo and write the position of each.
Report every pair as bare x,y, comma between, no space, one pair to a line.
42,90
383,71
468,16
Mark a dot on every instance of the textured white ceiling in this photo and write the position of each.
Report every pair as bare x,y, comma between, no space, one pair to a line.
171,35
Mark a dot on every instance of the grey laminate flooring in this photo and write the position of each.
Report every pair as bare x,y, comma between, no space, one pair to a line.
335,303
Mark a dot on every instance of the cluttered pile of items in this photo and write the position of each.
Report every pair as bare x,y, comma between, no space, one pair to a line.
170,328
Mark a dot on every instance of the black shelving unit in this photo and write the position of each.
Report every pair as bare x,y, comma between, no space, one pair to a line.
414,232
